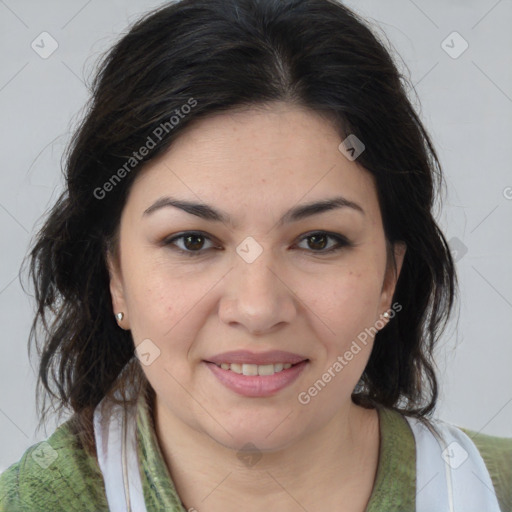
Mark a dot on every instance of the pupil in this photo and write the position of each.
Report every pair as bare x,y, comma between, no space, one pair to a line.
191,237
315,237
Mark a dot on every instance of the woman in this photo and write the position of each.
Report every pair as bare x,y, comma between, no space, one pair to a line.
249,207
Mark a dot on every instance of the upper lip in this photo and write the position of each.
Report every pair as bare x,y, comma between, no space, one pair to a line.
245,356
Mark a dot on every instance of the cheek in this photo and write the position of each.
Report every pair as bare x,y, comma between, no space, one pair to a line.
348,292
158,303
165,312
346,303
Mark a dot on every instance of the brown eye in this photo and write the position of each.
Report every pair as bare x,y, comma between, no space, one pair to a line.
191,243
318,241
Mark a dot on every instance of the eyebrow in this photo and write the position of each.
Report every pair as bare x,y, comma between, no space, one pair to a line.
209,213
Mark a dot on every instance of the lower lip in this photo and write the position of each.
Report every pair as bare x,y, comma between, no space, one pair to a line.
257,385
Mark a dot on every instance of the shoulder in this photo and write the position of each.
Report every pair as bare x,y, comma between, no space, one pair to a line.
57,474
497,455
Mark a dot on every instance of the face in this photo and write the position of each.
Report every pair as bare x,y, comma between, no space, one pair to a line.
249,275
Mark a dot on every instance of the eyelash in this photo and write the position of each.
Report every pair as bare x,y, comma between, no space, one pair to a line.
342,242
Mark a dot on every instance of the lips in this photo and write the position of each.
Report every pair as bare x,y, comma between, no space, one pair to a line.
257,386
262,358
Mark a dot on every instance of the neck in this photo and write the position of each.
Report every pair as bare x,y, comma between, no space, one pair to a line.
338,462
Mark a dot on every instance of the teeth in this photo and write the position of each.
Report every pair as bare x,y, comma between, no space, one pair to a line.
255,369
237,368
250,369
265,369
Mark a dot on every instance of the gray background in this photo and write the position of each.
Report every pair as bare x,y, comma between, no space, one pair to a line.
466,104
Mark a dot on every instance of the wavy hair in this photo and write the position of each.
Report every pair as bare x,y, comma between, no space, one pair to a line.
225,55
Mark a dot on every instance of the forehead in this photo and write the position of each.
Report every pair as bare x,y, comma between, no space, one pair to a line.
256,160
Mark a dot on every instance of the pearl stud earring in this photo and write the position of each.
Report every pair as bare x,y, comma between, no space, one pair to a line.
119,316
385,315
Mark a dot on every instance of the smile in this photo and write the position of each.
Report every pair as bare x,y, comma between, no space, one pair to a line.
255,369
254,380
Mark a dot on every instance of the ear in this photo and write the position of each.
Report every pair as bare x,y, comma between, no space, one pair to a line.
117,289
391,277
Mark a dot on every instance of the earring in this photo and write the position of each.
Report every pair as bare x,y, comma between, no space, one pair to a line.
120,316
359,387
385,315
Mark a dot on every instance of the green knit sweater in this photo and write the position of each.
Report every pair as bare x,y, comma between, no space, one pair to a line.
58,475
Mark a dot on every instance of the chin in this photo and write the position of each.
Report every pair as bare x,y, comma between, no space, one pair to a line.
255,432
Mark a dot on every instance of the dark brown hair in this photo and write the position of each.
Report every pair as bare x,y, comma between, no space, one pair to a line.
219,55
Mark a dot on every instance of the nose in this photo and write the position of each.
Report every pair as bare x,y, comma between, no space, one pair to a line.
257,296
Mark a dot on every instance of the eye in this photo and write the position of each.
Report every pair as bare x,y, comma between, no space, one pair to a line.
318,240
193,243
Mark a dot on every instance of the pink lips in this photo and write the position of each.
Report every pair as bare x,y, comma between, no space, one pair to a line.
244,356
257,385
